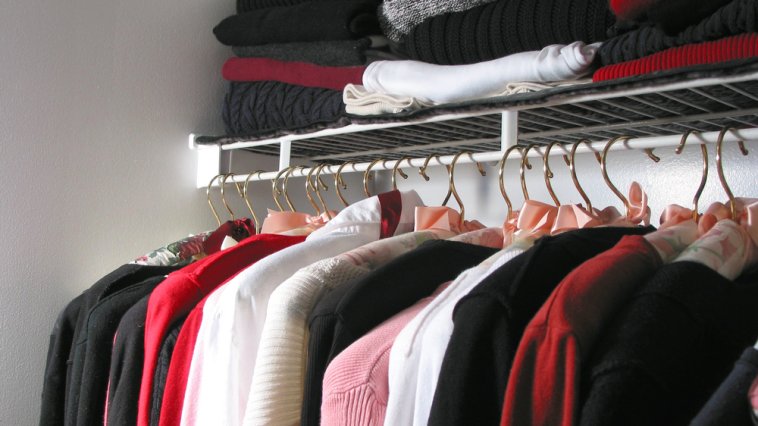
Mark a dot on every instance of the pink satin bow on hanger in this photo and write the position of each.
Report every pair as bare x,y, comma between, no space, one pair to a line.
443,218
277,222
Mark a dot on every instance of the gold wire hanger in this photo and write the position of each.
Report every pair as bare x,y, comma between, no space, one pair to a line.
285,186
247,201
339,182
703,179
500,174
720,168
275,192
367,176
522,173
308,187
572,168
422,172
223,193
321,185
549,173
451,181
396,169
604,169
208,196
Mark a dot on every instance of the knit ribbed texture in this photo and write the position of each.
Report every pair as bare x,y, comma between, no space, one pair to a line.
737,17
249,5
727,49
336,53
310,21
260,107
398,17
670,15
504,27
356,384
298,73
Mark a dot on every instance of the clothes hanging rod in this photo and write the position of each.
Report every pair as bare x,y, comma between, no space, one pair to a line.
653,142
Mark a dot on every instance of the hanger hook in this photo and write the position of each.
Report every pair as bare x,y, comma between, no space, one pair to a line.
247,201
340,182
500,173
451,178
275,192
367,176
704,177
549,173
285,186
208,196
720,168
422,172
308,187
223,194
604,170
321,185
572,167
396,169
525,164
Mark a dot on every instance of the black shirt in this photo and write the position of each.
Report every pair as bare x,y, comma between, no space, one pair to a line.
348,312
490,320
161,369
669,349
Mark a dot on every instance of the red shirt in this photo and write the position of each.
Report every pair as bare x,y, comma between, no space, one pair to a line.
183,289
543,386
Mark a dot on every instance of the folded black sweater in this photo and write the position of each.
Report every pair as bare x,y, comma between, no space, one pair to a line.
264,106
310,21
250,5
507,26
737,17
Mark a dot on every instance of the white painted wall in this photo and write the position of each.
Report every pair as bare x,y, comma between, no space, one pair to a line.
96,101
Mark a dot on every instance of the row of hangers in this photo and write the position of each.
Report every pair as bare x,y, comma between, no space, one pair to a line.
314,182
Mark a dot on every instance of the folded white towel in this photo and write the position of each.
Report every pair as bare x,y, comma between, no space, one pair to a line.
455,83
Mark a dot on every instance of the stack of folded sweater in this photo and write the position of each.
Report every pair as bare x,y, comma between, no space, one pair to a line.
293,58
658,35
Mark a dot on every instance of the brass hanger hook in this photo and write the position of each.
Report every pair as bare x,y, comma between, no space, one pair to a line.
208,196
604,169
247,201
396,169
422,172
321,185
720,167
572,168
522,173
308,187
549,173
704,177
500,173
339,182
285,186
275,192
223,193
367,176
451,177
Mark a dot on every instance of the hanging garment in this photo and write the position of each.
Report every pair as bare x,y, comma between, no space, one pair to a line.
333,53
176,296
443,84
276,392
250,5
505,27
92,353
161,369
347,313
58,404
355,383
125,373
224,356
297,73
712,52
737,17
670,347
309,21
728,405
544,381
491,318
417,352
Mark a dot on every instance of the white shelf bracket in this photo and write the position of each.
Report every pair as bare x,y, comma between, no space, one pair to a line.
508,130
211,161
285,148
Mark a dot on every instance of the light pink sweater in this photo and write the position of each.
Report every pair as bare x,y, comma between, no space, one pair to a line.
356,386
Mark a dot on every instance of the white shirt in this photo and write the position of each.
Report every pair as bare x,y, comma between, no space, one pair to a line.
224,357
417,353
